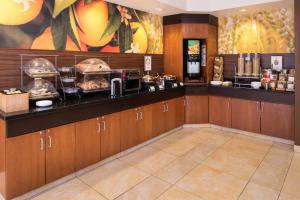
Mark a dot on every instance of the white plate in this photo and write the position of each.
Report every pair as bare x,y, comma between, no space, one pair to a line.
216,83
44,103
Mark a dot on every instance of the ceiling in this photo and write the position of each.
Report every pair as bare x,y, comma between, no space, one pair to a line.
215,7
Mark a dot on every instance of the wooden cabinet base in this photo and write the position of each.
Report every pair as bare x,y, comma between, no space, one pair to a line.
196,111
220,111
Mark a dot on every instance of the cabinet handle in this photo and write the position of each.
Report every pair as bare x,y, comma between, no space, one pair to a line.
141,115
50,141
137,116
99,125
257,106
164,108
262,107
41,141
184,102
228,104
167,105
104,125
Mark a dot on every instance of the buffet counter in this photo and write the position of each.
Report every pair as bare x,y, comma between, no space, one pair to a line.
242,93
70,111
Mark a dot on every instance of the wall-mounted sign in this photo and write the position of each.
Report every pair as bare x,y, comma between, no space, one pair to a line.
148,63
276,63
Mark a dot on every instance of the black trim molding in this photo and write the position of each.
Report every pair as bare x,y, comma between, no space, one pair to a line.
191,18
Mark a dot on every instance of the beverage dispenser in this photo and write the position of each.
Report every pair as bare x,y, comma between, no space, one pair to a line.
192,60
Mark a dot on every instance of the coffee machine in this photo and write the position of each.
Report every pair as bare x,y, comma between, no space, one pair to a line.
194,58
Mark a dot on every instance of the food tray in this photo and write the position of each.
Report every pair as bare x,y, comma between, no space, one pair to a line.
48,96
68,79
94,90
70,90
41,75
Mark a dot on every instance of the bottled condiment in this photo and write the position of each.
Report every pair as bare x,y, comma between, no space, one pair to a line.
241,65
256,65
248,65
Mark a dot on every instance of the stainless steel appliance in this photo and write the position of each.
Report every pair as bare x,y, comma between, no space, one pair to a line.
131,80
116,87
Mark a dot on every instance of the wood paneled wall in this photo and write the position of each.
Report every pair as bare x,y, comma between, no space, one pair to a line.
231,62
10,62
297,60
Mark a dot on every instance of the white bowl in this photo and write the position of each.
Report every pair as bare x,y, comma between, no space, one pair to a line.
256,85
216,83
44,103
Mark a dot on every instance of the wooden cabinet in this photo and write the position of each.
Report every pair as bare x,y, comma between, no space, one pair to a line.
110,135
158,118
278,120
87,150
25,164
180,112
60,152
196,110
170,115
130,123
246,115
220,111
145,126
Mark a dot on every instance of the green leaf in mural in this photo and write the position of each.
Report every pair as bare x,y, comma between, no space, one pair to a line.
125,37
113,23
59,30
60,5
72,29
134,14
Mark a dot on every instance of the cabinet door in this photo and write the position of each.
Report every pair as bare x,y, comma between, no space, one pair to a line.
180,112
87,148
130,128
196,110
145,132
25,163
220,111
278,120
110,135
246,115
60,152
170,115
158,118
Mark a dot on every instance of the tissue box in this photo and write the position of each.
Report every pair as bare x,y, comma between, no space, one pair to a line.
14,102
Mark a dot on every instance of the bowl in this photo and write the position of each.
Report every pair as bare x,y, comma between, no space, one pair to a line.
216,83
256,85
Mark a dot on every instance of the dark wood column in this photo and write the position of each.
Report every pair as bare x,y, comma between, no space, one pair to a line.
297,56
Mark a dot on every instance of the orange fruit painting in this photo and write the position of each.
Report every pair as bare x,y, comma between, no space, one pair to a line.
79,25
17,12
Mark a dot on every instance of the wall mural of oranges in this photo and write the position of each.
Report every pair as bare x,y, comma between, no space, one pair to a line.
79,25
260,32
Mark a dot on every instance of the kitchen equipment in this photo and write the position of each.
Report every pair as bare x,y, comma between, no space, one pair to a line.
131,80
248,65
218,69
41,89
256,65
256,85
170,81
241,65
68,80
40,67
13,100
92,66
194,57
44,103
116,87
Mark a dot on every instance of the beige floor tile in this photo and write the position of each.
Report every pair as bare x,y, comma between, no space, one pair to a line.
287,197
149,159
257,192
279,157
212,184
292,184
149,189
179,147
176,170
113,179
72,190
295,166
176,193
271,176
240,167
201,152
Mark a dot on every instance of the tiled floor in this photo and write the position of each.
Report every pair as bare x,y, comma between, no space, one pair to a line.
193,164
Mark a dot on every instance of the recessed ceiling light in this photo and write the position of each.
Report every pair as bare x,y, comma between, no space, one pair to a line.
243,10
159,9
